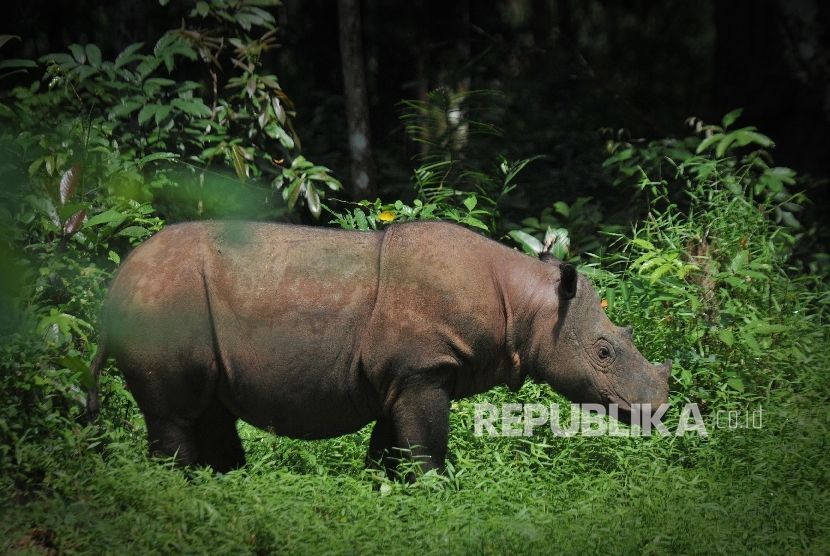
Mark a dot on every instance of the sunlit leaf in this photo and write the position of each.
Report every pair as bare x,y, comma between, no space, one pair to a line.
530,244
111,216
239,164
134,231
313,200
643,243
661,270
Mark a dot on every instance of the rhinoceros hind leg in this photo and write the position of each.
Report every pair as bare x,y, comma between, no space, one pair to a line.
169,439
217,441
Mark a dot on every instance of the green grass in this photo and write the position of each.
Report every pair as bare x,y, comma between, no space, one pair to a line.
759,491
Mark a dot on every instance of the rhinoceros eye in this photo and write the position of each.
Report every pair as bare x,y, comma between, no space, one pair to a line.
603,353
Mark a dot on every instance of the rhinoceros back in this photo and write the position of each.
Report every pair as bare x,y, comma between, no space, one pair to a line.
265,316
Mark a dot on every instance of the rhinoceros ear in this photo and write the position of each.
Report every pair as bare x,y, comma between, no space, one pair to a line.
567,281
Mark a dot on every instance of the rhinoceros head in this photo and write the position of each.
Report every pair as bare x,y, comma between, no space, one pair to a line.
589,359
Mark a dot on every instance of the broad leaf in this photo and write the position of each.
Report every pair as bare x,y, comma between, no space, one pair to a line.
530,244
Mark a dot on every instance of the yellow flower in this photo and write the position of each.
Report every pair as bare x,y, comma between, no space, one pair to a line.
386,216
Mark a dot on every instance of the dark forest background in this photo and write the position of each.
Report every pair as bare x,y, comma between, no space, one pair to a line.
567,70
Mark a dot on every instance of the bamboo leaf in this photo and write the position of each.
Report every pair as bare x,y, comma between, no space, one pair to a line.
238,157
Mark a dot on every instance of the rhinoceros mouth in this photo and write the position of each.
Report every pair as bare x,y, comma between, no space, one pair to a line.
612,397
620,403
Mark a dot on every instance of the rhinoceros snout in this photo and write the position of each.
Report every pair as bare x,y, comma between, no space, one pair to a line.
663,375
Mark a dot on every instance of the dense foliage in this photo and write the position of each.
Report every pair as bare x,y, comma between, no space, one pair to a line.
721,276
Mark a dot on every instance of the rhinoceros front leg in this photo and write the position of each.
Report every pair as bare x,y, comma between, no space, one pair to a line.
382,450
421,416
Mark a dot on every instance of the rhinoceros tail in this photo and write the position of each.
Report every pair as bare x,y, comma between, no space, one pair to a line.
93,402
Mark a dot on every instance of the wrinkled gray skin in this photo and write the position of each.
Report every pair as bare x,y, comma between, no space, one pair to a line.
314,333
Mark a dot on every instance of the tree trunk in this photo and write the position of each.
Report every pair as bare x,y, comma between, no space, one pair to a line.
357,109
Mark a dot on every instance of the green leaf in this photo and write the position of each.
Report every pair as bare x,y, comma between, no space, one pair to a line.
5,64
128,55
274,131
147,113
724,144
78,53
725,335
708,142
108,217
134,231
84,72
470,202
93,54
751,343
313,200
735,384
360,220
238,157
790,220
114,257
157,156
69,210
79,366
739,261
530,244
661,270
202,8
475,222
769,328
127,107
744,137
786,175
643,243
147,66
194,107
162,112
562,208
730,118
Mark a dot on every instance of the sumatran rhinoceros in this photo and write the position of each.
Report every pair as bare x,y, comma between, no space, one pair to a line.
314,333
